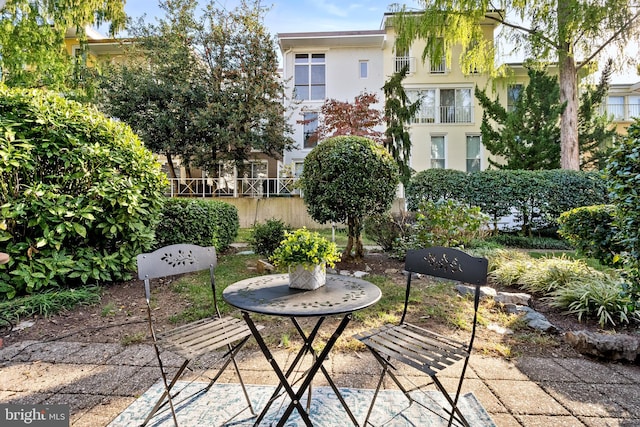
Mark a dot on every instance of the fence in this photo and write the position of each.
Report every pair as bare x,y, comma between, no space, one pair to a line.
241,187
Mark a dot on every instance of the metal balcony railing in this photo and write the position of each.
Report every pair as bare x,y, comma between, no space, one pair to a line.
621,112
405,61
241,187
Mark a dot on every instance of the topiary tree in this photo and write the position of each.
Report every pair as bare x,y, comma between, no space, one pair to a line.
80,195
346,178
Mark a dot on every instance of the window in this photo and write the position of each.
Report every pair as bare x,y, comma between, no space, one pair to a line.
438,65
455,105
634,106
363,67
309,76
427,111
309,129
404,60
615,107
473,153
513,94
437,152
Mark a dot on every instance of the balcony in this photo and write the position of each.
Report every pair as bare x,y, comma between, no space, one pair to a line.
223,187
405,61
444,114
621,112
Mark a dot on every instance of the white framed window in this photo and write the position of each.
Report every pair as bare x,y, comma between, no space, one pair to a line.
309,129
443,105
473,153
438,65
363,69
634,107
514,92
615,107
310,76
438,150
404,59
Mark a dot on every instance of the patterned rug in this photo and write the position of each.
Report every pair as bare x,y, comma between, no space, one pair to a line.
224,405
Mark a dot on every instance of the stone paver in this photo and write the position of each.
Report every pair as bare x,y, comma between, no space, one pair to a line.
101,380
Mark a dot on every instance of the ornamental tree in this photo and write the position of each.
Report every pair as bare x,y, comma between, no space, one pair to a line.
346,178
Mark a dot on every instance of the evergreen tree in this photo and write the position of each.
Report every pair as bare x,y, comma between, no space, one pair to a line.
529,136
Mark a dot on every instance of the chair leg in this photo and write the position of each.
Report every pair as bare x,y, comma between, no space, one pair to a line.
454,405
385,368
167,389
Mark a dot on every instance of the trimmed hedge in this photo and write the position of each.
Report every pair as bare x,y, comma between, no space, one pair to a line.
537,198
200,222
591,231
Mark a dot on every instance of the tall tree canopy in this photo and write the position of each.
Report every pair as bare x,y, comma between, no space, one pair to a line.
572,32
32,33
205,88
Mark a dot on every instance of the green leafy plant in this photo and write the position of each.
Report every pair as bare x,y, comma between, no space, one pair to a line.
389,230
266,237
449,223
80,195
306,248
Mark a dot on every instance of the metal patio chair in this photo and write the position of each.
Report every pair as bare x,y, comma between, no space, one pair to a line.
418,347
197,338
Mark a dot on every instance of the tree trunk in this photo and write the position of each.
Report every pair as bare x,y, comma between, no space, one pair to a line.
569,149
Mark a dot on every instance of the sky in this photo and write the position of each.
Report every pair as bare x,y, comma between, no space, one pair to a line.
289,16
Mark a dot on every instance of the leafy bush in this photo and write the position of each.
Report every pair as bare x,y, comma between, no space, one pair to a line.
623,175
200,222
389,230
265,238
436,184
524,242
448,223
590,230
80,196
548,274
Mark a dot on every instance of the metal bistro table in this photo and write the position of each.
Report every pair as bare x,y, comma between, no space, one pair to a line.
271,295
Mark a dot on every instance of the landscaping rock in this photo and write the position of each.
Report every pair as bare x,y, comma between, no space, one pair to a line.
519,298
534,319
485,291
611,347
263,266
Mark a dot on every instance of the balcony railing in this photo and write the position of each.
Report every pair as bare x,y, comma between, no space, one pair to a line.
445,114
405,61
621,112
241,187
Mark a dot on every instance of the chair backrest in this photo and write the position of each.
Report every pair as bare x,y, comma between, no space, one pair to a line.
176,259
447,263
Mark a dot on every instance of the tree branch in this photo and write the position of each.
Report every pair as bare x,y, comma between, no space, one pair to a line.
531,31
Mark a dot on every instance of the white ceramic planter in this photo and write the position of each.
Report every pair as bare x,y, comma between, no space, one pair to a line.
307,277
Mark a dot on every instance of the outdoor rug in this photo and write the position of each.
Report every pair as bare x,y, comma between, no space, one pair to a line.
223,405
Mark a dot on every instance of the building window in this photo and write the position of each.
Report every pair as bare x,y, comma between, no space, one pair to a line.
438,65
437,152
615,107
363,67
634,107
309,76
455,106
309,129
473,153
403,60
513,94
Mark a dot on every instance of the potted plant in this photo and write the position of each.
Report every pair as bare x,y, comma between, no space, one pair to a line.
307,255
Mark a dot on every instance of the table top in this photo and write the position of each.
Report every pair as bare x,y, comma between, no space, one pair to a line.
271,294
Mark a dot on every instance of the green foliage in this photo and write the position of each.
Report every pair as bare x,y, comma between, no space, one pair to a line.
389,230
49,303
265,238
512,240
528,137
602,297
306,248
590,230
448,223
436,184
623,175
346,178
79,194
200,222
202,86
399,112
32,50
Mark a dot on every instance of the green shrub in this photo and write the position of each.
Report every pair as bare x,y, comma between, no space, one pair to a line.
265,238
448,223
200,222
590,230
623,176
548,274
436,184
524,242
389,230
80,196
